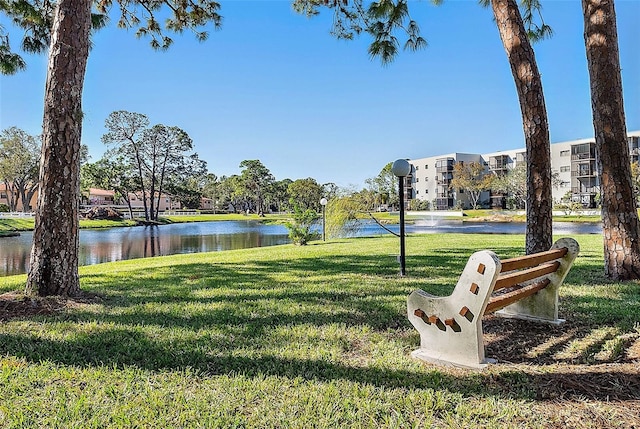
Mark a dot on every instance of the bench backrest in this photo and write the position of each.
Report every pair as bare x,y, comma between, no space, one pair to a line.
531,283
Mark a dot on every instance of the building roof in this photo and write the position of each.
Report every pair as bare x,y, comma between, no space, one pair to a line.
100,192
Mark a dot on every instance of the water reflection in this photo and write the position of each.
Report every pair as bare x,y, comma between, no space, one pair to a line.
98,246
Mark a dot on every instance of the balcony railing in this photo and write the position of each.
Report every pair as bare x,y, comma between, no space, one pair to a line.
583,172
581,156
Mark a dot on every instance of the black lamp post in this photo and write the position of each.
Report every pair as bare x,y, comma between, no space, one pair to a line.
401,168
323,203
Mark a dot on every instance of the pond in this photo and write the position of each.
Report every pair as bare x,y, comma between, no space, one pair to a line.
97,246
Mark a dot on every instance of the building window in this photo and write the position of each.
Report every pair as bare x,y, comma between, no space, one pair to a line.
565,168
417,167
3,196
417,179
426,166
426,192
417,192
565,153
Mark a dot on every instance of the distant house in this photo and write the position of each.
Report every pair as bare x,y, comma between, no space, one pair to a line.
206,203
101,197
5,197
167,202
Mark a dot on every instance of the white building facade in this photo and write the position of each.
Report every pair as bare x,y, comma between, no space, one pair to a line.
572,162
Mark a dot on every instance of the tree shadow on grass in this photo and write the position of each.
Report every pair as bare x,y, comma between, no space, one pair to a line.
136,350
242,305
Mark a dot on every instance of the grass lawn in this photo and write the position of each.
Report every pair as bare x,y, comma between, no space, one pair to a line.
311,337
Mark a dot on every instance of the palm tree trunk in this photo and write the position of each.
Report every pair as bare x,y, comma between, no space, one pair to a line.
534,122
54,255
619,213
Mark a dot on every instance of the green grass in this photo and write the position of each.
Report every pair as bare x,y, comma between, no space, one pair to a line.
291,336
16,224
27,224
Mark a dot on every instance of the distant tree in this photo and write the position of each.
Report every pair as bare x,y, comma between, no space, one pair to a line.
619,212
230,192
168,163
330,190
160,155
306,193
368,199
185,180
256,180
211,189
280,195
514,184
114,171
64,26
124,129
19,164
472,178
384,186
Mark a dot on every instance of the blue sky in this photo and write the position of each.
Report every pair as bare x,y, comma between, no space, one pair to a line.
275,86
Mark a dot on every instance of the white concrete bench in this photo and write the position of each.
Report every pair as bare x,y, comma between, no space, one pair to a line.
525,287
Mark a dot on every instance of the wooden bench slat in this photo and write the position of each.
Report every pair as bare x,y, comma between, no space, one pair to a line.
516,277
501,301
528,261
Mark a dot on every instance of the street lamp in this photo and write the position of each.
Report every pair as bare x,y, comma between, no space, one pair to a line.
400,169
323,203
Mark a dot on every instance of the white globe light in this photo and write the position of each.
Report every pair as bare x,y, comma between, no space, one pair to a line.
401,167
323,201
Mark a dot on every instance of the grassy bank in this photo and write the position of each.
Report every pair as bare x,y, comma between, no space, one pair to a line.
27,224
313,336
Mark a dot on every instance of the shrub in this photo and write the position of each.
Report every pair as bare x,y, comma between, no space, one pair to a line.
300,229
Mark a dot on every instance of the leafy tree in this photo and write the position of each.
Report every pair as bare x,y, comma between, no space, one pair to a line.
159,156
472,178
256,180
619,213
230,192
112,171
211,189
384,187
300,228
166,162
19,163
280,194
124,129
513,184
185,180
306,193
65,26
383,20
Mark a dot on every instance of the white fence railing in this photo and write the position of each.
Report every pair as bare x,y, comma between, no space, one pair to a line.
16,214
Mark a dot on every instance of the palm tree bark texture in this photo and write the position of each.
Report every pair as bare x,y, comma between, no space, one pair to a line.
54,255
619,213
534,121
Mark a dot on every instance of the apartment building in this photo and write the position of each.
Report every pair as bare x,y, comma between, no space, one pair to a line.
574,162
